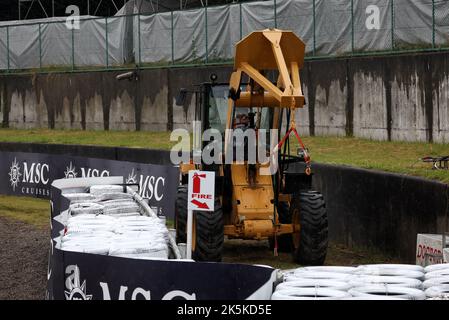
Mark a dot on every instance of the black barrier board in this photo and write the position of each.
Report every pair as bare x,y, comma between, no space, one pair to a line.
81,276
31,174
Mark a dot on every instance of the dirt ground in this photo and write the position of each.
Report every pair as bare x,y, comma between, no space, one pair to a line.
24,258
258,252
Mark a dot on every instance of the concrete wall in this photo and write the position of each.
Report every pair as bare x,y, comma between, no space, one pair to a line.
381,210
404,97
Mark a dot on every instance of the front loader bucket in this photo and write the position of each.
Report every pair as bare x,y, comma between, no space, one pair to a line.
270,49
256,49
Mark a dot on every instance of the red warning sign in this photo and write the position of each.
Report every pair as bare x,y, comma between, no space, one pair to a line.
201,191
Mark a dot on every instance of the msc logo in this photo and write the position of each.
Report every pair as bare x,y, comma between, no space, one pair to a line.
150,186
132,178
36,173
14,174
71,172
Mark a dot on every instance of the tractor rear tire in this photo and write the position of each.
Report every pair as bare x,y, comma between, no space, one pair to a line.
311,242
208,229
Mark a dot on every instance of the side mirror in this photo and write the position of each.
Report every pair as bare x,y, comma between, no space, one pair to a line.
181,97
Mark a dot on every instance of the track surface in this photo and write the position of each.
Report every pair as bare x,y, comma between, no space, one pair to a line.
23,260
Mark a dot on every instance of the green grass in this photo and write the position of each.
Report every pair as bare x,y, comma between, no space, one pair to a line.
400,157
154,140
397,157
32,211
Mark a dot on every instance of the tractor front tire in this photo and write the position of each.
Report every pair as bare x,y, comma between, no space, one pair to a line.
310,237
209,234
208,229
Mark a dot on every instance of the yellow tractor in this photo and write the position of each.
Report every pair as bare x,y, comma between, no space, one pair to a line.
264,91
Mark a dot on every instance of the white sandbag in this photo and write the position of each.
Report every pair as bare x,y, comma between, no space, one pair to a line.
85,249
360,281
124,215
315,283
103,189
80,197
117,250
437,267
114,196
409,267
114,209
152,256
437,274
438,292
390,270
437,281
309,294
347,270
386,290
301,274
118,202
86,208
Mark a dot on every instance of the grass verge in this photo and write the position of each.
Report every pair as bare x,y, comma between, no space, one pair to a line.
32,211
153,140
398,157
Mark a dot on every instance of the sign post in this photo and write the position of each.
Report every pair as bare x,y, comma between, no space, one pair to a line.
201,198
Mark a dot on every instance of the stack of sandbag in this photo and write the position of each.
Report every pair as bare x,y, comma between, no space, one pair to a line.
315,283
398,281
367,282
88,233
108,221
140,237
436,284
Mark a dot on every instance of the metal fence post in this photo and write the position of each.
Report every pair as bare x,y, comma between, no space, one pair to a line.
352,26
7,49
433,25
107,43
392,25
73,48
275,15
139,40
40,46
205,25
241,21
172,39
314,27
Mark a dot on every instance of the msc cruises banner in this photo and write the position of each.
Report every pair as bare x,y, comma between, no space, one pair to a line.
31,174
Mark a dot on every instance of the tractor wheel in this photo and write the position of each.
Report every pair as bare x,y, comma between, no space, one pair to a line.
310,228
208,234
285,242
181,214
208,229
